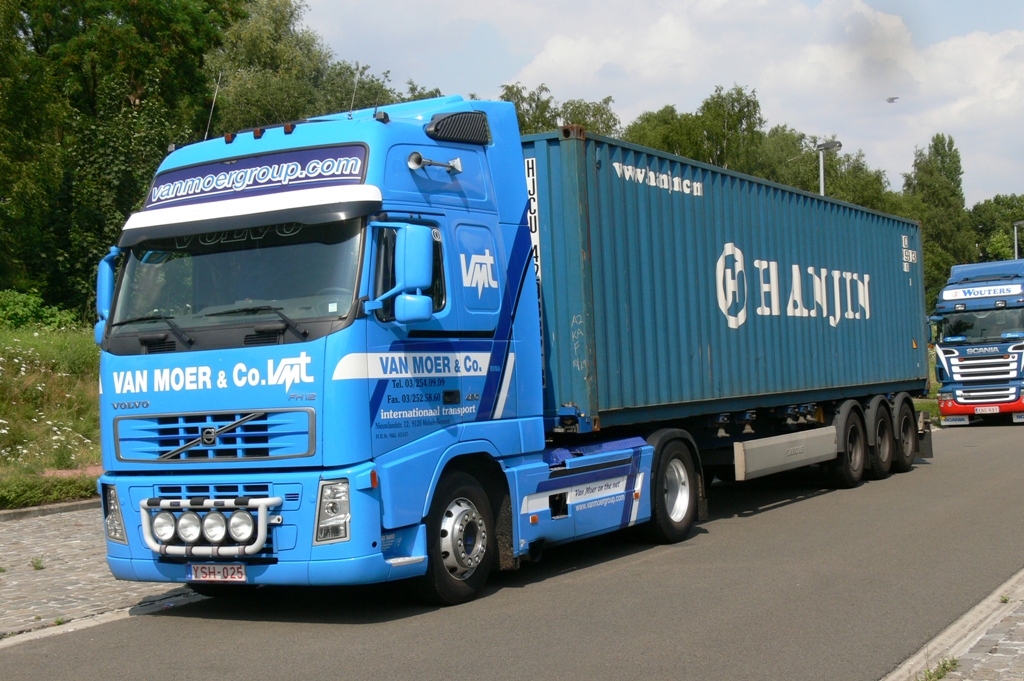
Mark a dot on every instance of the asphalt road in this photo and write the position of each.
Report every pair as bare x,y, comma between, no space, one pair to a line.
787,580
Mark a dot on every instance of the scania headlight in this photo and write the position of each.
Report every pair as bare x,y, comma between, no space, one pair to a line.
112,515
241,526
215,527
189,527
163,526
332,518
945,396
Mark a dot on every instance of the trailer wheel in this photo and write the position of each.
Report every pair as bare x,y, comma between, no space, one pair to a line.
881,454
906,438
848,468
460,541
673,494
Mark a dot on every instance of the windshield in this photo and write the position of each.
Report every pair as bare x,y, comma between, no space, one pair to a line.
981,325
288,271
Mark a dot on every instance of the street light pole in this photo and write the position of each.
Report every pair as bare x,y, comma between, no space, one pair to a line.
1015,226
833,145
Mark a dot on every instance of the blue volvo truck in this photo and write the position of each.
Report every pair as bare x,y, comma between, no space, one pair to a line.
408,343
979,349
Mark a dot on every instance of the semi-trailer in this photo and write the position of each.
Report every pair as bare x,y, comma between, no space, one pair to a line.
407,343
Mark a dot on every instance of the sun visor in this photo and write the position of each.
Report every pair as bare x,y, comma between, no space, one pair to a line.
304,206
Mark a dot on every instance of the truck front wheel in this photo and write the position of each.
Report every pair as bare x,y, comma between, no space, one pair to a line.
461,543
673,494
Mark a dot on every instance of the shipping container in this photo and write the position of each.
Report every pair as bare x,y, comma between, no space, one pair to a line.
671,288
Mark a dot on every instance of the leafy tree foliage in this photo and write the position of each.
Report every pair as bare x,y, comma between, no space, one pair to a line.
538,111
98,89
271,70
933,194
993,221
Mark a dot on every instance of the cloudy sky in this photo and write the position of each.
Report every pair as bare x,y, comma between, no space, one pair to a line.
823,67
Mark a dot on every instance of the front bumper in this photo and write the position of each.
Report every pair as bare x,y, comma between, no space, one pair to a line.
952,413
287,502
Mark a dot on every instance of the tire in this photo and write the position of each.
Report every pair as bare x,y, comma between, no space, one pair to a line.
884,450
847,470
673,495
227,592
460,541
906,438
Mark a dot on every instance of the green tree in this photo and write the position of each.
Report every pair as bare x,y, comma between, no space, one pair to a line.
117,81
664,129
933,194
993,220
731,129
271,70
538,111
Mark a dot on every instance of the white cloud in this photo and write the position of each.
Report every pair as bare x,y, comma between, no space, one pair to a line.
822,70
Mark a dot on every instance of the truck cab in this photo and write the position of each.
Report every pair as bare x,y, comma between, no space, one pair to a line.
979,348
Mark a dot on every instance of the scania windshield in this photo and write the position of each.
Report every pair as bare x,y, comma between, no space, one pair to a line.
982,325
272,277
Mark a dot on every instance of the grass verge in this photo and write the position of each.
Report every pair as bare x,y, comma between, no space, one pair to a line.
49,416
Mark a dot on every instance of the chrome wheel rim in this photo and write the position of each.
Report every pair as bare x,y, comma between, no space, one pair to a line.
463,538
677,490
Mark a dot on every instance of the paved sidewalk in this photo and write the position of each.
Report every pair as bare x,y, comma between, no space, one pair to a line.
987,641
54,569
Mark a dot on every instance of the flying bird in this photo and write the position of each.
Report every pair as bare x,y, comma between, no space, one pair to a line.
891,100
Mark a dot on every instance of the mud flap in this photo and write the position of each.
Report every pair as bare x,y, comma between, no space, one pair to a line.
924,435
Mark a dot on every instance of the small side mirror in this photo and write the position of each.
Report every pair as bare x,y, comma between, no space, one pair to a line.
413,308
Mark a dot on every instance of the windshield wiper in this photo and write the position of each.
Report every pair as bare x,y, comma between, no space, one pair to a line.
252,309
178,331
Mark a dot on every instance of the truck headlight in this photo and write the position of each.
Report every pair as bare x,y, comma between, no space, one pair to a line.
945,396
333,516
112,516
241,526
189,527
163,526
215,527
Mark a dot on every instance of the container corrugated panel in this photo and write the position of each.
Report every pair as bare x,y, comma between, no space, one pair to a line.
672,288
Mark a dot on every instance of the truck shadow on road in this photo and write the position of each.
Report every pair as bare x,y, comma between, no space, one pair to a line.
377,603
753,497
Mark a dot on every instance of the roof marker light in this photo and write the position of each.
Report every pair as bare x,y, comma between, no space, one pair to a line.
257,133
289,128
229,137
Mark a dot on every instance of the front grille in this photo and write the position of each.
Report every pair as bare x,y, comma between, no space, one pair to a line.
159,347
984,368
986,395
216,436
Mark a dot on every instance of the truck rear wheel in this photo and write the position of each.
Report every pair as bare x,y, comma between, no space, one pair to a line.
460,541
906,438
880,460
848,468
673,494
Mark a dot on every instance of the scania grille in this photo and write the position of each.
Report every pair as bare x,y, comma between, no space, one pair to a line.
173,501
984,368
216,436
986,395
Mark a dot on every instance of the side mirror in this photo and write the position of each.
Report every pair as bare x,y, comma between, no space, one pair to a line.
414,271
414,258
105,276
413,308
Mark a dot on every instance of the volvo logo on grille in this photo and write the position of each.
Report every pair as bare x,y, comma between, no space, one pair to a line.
209,436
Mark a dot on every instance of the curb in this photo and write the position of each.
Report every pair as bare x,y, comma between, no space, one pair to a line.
49,509
959,637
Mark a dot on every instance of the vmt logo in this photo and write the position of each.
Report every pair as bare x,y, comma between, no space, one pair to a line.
480,273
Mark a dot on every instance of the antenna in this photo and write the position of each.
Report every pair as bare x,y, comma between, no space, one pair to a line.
354,86
210,119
